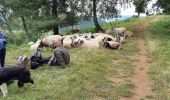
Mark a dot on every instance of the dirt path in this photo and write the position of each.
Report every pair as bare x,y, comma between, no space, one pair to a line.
141,79
142,63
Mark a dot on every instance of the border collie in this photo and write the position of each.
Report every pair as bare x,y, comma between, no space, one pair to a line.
14,73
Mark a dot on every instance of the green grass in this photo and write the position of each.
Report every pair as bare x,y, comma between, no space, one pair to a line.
86,77
158,40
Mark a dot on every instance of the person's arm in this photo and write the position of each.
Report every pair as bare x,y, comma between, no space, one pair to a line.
51,59
5,40
60,59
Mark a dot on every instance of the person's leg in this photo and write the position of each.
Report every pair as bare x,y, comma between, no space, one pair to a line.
3,57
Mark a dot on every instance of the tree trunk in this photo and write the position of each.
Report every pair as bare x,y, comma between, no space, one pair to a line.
55,30
55,13
138,14
9,28
26,29
10,31
98,27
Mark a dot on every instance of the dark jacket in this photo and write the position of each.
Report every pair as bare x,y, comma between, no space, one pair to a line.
61,56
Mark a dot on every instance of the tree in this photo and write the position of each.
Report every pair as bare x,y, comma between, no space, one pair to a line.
5,14
54,11
164,4
102,9
140,6
23,9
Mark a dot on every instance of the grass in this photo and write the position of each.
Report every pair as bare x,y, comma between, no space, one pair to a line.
159,45
86,77
93,74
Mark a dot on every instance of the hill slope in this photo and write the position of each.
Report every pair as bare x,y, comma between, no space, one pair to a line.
99,74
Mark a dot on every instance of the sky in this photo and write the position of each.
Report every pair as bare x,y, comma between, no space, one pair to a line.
131,10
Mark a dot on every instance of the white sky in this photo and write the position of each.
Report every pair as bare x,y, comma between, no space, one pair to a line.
131,10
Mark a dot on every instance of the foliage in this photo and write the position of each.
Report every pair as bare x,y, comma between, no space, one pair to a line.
164,4
140,6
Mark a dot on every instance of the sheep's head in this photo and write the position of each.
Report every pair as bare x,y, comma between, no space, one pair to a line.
76,42
105,39
92,36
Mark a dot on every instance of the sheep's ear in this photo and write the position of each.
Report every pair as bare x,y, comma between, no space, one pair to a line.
81,42
62,40
75,37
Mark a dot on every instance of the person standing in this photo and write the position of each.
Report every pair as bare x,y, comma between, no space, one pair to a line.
3,43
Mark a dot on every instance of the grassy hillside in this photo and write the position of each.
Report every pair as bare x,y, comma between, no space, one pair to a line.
158,40
87,77
90,75
100,74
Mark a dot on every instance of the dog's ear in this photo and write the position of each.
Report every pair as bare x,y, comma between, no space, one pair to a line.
20,84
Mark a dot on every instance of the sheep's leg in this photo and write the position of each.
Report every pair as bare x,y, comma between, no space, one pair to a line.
119,47
124,35
4,89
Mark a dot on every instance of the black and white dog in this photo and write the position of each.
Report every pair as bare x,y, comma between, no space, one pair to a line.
14,73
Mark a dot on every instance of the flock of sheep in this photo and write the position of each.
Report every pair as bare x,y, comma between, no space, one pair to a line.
112,38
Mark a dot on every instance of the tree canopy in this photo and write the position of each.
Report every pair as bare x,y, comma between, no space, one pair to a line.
164,4
140,6
45,15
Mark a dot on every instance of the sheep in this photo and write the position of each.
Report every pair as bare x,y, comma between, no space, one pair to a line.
128,34
30,43
117,31
48,40
100,37
120,39
112,45
76,42
86,40
35,46
92,44
76,30
109,31
67,41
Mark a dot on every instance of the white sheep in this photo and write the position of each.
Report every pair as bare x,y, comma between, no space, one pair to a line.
30,43
112,45
109,31
120,39
101,36
129,34
48,40
67,41
34,47
91,44
117,31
